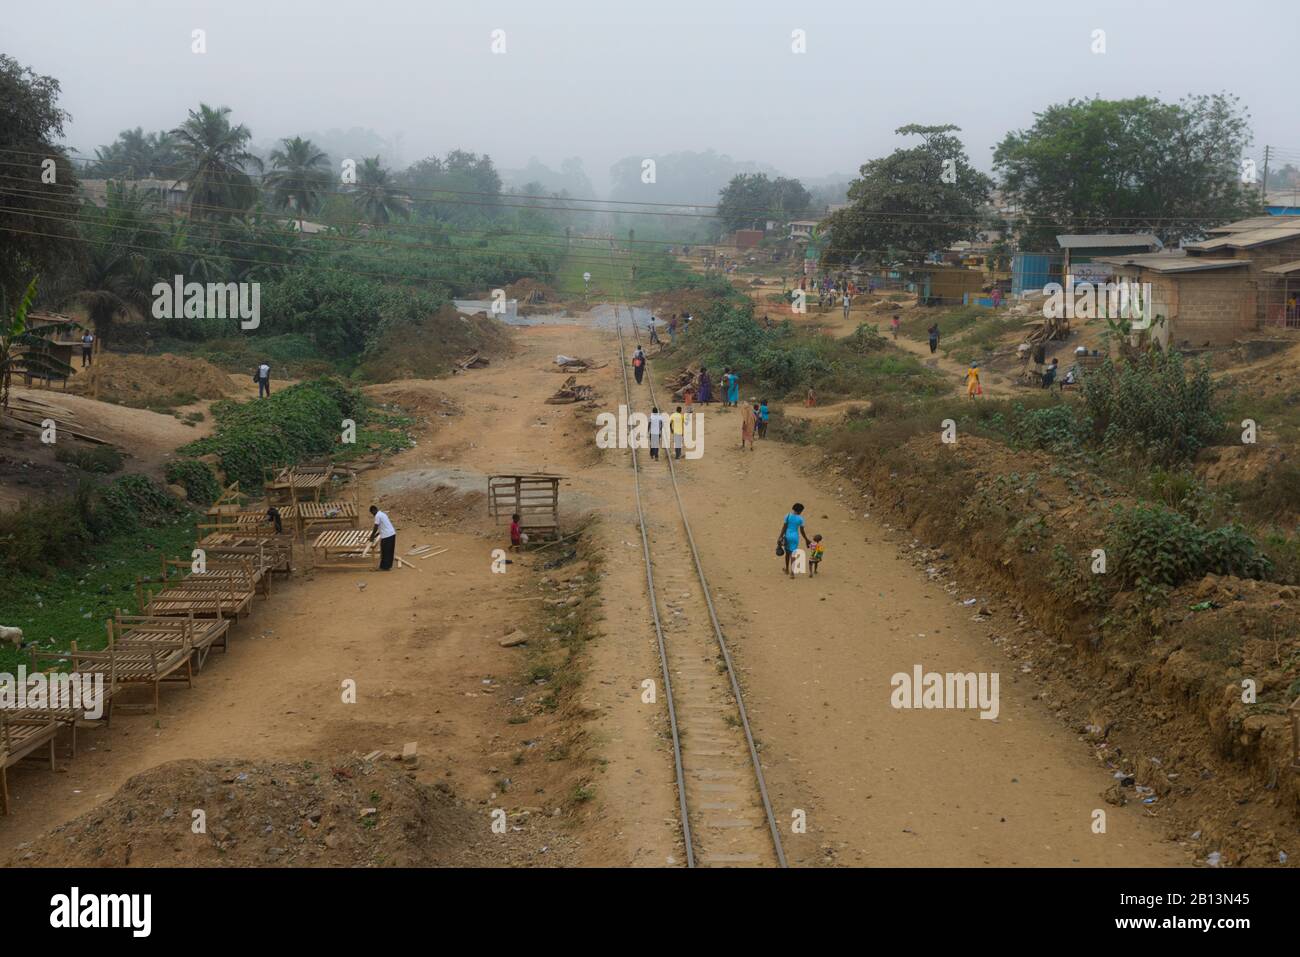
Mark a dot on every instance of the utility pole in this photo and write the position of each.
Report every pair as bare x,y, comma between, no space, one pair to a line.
1263,188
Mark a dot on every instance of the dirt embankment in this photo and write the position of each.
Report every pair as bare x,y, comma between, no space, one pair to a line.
432,347
353,813
151,381
1161,704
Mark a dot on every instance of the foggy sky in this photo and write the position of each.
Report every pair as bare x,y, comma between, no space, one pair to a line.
605,79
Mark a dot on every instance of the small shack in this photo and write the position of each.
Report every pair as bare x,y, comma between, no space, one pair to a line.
66,347
535,498
1083,252
941,284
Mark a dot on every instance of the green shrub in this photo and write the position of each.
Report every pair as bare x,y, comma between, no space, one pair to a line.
46,534
294,423
104,459
1153,405
1054,428
136,500
201,486
1151,546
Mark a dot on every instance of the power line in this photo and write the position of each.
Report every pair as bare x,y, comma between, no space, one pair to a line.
979,219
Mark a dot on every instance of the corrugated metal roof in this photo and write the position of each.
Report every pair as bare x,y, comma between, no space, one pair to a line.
1255,222
1173,262
1284,268
1248,238
1107,240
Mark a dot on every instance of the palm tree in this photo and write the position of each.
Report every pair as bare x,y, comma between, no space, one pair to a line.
117,272
25,351
376,198
299,174
213,156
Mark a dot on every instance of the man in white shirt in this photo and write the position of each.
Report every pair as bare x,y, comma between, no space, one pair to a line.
263,380
87,348
658,424
387,538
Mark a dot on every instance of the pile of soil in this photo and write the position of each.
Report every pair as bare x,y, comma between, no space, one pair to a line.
431,348
355,813
681,302
528,287
150,381
414,397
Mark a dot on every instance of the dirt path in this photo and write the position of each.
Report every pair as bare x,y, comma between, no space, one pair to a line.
879,786
422,647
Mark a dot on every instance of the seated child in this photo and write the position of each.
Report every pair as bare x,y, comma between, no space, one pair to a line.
815,555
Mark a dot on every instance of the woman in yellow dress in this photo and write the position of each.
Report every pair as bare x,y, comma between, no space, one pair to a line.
973,381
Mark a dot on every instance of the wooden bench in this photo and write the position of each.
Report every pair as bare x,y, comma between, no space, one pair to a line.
274,554
325,516
349,548
69,717
19,737
202,598
149,661
203,634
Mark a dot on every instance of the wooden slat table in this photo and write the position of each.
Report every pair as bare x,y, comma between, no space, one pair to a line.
344,548
19,737
329,515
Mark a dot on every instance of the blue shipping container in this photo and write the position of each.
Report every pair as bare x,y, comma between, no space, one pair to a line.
1030,272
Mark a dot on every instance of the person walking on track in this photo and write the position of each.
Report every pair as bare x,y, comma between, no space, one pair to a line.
658,425
677,426
638,364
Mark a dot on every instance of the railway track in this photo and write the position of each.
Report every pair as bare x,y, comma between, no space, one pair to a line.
726,815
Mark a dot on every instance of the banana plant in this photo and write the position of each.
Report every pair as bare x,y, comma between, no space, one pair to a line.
27,351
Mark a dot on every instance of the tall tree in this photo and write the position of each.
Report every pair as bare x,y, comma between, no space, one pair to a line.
912,202
120,251
751,198
214,156
1097,165
36,234
136,154
377,199
462,187
299,175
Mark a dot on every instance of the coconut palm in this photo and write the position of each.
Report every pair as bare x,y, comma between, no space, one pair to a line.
25,351
120,248
299,174
213,156
375,196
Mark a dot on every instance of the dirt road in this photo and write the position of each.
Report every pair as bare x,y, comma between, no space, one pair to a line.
877,785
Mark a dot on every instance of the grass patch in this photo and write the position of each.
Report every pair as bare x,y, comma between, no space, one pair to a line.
72,604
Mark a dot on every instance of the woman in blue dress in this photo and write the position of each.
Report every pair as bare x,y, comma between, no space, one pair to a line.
790,531
733,390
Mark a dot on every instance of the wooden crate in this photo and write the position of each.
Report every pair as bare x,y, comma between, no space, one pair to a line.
535,498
